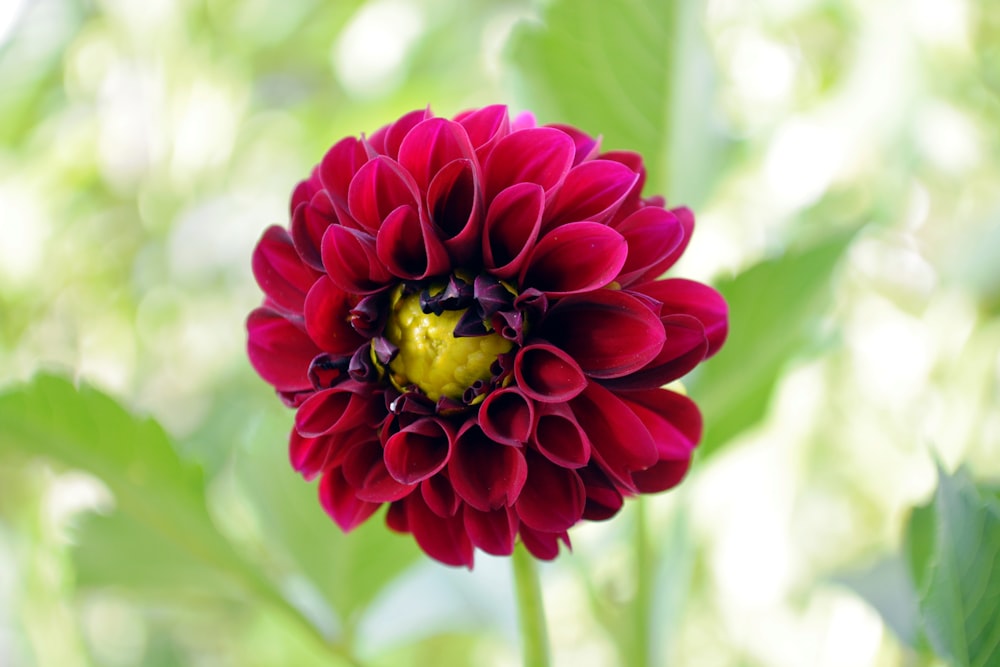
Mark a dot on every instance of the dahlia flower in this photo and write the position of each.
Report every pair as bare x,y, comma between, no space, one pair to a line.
467,318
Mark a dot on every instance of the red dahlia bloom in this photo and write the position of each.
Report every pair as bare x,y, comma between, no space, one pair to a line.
466,316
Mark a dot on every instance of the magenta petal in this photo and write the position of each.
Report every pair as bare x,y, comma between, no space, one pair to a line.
685,347
609,333
418,451
279,351
279,270
440,496
587,146
686,218
352,262
340,502
328,313
539,155
675,424
409,248
365,470
454,208
553,497
620,443
548,374
309,222
604,500
507,416
431,145
338,167
681,296
378,189
395,134
592,191
511,229
485,128
559,437
308,456
485,474
542,545
653,236
335,410
443,539
493,532
577,257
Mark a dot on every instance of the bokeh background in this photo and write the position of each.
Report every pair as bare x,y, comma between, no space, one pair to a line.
843,161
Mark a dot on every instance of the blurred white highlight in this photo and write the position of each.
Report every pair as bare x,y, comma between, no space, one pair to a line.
373,46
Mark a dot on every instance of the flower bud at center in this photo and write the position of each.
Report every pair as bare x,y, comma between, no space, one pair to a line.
430,356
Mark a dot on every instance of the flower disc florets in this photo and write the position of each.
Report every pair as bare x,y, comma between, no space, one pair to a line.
466,316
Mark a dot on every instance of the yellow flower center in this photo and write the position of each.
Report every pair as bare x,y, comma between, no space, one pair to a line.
429,354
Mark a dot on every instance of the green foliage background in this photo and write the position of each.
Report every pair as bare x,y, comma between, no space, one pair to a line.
841,157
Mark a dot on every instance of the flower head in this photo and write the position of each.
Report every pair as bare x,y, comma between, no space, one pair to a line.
467,318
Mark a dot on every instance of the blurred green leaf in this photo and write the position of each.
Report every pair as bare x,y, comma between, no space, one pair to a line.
960,601
887,587
774,307
609,68
918,542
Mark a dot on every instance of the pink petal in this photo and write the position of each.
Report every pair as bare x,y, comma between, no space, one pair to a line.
542,545
681,296
685,347
586,146
552,499
418,451
539,155
308,456
430,145
574,258
493,532
328,318
338,409
341,503
440,496
559,437
454,208
395,134
609,333
485,474
675,424
280,271
506,416
604,500
686,218
443,539
352,262
365,470
485,128
409,248
309,222
338,167
379,188
512,225
548,374
620,442
279,351
653,236
591,191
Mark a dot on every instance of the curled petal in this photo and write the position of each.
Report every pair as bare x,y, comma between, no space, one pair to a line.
430,145
558,436
620,442
393,135
379,188
440,496
279,350
485,474
512,225
352,262
454,208
341,502
686,218
309,222
418,451
675,424
338,409
542,545
280,271
442,538
541,155
553,497
493,532
308,455
365,470
548,374
604,500
685,347
577,257
688,297
609,333
485,128
327,312
592,191
409,248
586,145
338,167
507,416
653,235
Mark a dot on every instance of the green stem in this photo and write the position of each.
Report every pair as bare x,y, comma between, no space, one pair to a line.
531,610
643,588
